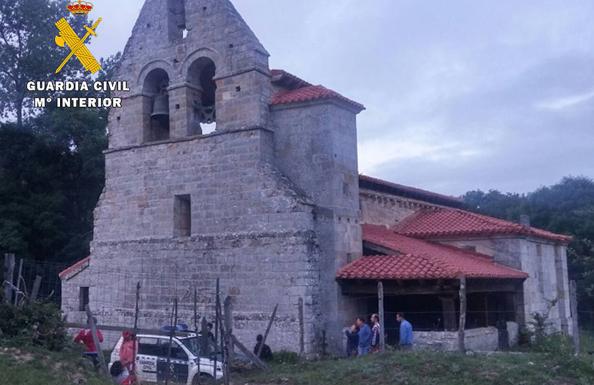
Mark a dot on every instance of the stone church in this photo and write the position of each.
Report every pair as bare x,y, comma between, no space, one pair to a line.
219,167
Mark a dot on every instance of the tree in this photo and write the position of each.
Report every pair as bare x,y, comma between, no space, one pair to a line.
28,51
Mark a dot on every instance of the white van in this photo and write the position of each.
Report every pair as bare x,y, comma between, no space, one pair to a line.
151,360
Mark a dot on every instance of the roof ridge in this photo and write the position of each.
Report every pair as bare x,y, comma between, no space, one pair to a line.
476,223
449,259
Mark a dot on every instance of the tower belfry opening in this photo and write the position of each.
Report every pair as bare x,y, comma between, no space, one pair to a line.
202,96
156,106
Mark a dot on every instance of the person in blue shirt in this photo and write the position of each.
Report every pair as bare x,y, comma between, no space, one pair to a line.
365,336
406,332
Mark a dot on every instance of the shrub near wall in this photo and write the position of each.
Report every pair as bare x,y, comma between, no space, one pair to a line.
37,324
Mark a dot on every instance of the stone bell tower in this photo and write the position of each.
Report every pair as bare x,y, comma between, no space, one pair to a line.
218,167
197,62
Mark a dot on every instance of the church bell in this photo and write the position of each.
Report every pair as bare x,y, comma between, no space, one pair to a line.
160,107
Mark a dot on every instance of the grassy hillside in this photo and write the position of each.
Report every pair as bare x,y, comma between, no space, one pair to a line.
433,369
31,366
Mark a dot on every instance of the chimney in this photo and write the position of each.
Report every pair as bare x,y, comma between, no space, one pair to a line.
525,220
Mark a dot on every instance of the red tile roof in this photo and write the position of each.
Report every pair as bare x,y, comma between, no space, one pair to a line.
407,191
284,79
79,266
299,91
447,222
417,259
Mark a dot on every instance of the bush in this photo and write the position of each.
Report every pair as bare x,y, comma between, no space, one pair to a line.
558,344
37,323
285,357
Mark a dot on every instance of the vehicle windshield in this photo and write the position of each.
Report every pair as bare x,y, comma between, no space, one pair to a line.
194,345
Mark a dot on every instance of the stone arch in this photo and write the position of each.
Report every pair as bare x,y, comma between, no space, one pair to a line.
199,72
155,105
149,67
208,53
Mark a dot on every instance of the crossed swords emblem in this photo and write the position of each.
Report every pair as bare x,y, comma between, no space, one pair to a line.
77,45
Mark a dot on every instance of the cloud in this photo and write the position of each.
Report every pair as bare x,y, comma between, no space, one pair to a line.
566,101
460,94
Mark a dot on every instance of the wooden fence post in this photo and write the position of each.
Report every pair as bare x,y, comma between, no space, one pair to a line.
9,265
216,325
228,314
171,334
248,353
574,316
272,317
36,288
135,331
17,293
100,356
202,352
462,326
380,299
301,328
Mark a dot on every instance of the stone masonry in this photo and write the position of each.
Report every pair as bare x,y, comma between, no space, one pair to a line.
270,202
273,192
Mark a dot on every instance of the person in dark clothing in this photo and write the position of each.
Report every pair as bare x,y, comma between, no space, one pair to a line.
210,326
266,354
352,335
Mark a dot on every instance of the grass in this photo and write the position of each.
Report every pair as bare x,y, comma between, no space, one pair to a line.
34,366
587,340
429,368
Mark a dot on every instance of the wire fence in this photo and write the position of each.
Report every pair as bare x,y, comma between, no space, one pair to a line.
111,292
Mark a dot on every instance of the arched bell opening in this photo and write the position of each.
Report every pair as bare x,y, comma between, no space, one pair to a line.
202,96
156,106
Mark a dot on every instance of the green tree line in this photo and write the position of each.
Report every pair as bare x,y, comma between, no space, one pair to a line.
51,160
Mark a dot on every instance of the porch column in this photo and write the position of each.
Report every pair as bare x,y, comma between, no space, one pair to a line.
448,308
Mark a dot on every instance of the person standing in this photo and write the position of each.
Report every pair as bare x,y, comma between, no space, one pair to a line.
364,335
85,337
406,332
352,340
128,351
376,329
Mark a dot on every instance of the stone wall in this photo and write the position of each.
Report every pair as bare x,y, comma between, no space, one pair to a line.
316,148
273,192
481,339
546,290
385,209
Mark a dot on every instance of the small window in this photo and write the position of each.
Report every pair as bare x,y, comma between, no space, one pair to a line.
182,216
149,347
83,298
539,250
177,352
470,248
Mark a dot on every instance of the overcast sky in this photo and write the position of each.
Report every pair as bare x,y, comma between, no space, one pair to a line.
460,94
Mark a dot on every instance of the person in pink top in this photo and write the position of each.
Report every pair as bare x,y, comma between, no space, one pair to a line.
128,350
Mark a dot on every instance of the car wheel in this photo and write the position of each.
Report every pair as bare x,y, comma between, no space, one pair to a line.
205,379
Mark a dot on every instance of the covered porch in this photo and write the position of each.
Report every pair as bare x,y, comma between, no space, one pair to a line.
434,309
449,295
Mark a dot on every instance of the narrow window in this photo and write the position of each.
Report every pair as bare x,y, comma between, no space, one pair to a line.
83,298
539,250
182,216
176,19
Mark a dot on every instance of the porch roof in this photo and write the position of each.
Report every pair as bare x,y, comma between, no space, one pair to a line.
418,259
